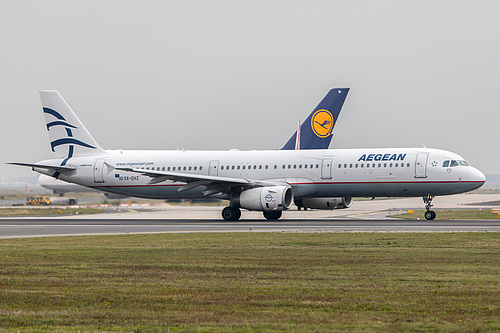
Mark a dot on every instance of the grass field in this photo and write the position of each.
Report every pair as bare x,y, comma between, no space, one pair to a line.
252,282
452,214
47,211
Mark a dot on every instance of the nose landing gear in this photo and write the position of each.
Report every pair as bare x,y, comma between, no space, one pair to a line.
429,214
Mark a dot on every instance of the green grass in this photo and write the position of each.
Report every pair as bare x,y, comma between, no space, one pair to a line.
252,282
450,214
49,211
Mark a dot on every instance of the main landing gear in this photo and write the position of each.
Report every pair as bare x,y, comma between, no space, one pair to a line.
429,214
233,214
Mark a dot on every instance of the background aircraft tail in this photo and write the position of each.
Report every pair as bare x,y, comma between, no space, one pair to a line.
316,130
68,136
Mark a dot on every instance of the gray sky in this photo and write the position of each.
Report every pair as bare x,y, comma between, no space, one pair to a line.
234,74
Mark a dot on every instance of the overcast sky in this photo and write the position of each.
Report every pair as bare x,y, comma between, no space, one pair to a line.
240,74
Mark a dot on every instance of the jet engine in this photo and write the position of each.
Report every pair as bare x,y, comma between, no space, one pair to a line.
269,198
324,203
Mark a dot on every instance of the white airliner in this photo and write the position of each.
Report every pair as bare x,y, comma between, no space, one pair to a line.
267,181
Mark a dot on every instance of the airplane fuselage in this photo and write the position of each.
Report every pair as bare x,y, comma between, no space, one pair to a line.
399,172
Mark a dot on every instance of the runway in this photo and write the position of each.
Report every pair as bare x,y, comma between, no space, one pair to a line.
363,216
24,228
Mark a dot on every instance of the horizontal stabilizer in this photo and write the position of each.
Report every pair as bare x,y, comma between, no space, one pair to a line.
44,166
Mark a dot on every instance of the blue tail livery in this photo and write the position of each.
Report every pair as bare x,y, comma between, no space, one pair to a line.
316,131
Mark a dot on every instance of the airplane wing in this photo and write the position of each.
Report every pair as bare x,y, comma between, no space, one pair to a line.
44,166
214,184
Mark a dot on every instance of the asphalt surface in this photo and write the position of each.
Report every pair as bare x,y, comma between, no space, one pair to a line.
21,228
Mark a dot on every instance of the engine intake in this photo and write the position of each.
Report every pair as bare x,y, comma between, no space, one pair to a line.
325,203
270,198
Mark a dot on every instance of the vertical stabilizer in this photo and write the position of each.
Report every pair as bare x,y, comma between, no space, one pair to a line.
316,130
68,136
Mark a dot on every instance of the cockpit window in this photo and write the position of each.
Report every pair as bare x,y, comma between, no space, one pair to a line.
453,163
463,163
446,164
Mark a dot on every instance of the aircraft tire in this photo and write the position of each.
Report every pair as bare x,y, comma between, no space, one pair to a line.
430,215
272,215
231,214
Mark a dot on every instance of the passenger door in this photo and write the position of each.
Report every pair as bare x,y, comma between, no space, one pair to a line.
99,171
421,165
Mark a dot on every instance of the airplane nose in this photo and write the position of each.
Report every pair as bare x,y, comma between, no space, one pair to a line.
477,176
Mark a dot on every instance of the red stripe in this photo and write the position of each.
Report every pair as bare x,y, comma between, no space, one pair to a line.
325,183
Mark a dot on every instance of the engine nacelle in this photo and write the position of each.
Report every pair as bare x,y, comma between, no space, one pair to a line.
264,198
325,203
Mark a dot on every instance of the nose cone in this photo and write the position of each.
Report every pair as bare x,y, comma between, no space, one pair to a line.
477,177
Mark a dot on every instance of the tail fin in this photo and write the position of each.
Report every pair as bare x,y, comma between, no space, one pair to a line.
316,130
68,136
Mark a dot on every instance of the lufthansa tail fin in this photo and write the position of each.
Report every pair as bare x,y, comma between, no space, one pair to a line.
316,130
68,136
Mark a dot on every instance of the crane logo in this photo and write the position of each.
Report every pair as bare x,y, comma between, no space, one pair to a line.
322,123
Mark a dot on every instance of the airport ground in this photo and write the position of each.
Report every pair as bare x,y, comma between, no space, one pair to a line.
343,270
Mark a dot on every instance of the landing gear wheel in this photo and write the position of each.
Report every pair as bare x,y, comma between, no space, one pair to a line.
272,215
430,215
231,214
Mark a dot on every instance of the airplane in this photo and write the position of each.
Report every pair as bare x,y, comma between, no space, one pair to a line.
269,181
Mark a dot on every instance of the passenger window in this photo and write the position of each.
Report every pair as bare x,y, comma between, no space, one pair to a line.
184,168
283,166
201,168
356,165
238,167
289,166
305,166
243,167
350,166
222,167
367,165
195,168
260,167
340,166
380,165
408,165
362,165
163,169
345,166
446,164
168,169
385,165
254,167
275,166
396,165
317,166
173,168
295,166
190,168
300,166
232,168
267,166
373,165
454,163
390,165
